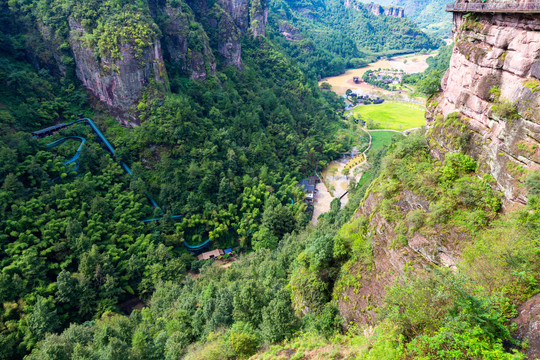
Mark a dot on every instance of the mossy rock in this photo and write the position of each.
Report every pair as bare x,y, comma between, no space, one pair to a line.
484,86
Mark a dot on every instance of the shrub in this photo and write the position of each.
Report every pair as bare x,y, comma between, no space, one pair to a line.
326,86
505,110
244,344
456,164
416,219
495,93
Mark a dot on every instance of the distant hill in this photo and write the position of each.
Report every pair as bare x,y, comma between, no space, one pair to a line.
328,36
428,14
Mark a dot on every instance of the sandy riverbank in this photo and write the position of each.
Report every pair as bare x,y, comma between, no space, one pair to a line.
410,64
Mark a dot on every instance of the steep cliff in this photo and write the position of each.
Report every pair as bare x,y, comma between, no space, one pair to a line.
420,212
118,50
185,41
485,127
492,87
117,80
247,14
378,10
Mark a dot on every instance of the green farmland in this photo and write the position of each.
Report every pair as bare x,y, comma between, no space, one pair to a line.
391,115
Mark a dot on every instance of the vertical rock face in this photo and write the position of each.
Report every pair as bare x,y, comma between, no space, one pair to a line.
247,14
238,11
185,45
394,11
492,87
490,108
117,61
258,13
375,9
118,83
528,326
378,10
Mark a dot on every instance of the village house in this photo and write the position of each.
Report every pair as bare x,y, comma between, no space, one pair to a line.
211,254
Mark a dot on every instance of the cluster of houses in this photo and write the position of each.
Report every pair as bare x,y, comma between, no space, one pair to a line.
309,187
366,99
386,77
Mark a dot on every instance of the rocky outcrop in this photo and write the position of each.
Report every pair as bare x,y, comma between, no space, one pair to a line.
117,64
222,30
394,11
258,14
378,10
439,246
186,44
492,87
528,326
117,82
375,9
247,15
288,30
490,109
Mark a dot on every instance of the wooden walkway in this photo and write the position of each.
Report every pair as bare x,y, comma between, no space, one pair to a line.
496,7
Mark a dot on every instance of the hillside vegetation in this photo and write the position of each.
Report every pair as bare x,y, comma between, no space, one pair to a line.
334,37
422,261
223,153
291,292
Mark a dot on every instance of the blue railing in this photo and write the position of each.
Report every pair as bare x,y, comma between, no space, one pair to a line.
124,166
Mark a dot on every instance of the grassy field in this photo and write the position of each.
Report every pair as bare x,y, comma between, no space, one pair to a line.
391,115
379,140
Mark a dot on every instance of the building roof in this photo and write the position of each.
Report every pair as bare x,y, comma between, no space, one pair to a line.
211,254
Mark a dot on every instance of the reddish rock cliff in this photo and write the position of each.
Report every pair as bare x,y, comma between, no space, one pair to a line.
440,245
493,85
490,109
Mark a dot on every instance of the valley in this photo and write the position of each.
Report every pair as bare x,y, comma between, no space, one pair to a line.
410,64
220,180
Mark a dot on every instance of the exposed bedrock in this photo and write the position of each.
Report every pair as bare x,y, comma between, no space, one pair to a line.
117,82
490,109
492,83
194,36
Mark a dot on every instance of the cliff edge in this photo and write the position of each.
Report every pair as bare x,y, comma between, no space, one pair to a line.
485,121
492,86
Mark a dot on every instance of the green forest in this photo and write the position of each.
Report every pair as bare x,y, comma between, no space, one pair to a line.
335,38
83,277
429,81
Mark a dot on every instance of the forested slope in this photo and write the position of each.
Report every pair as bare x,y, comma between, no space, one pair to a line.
223,153
421,263
326,37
